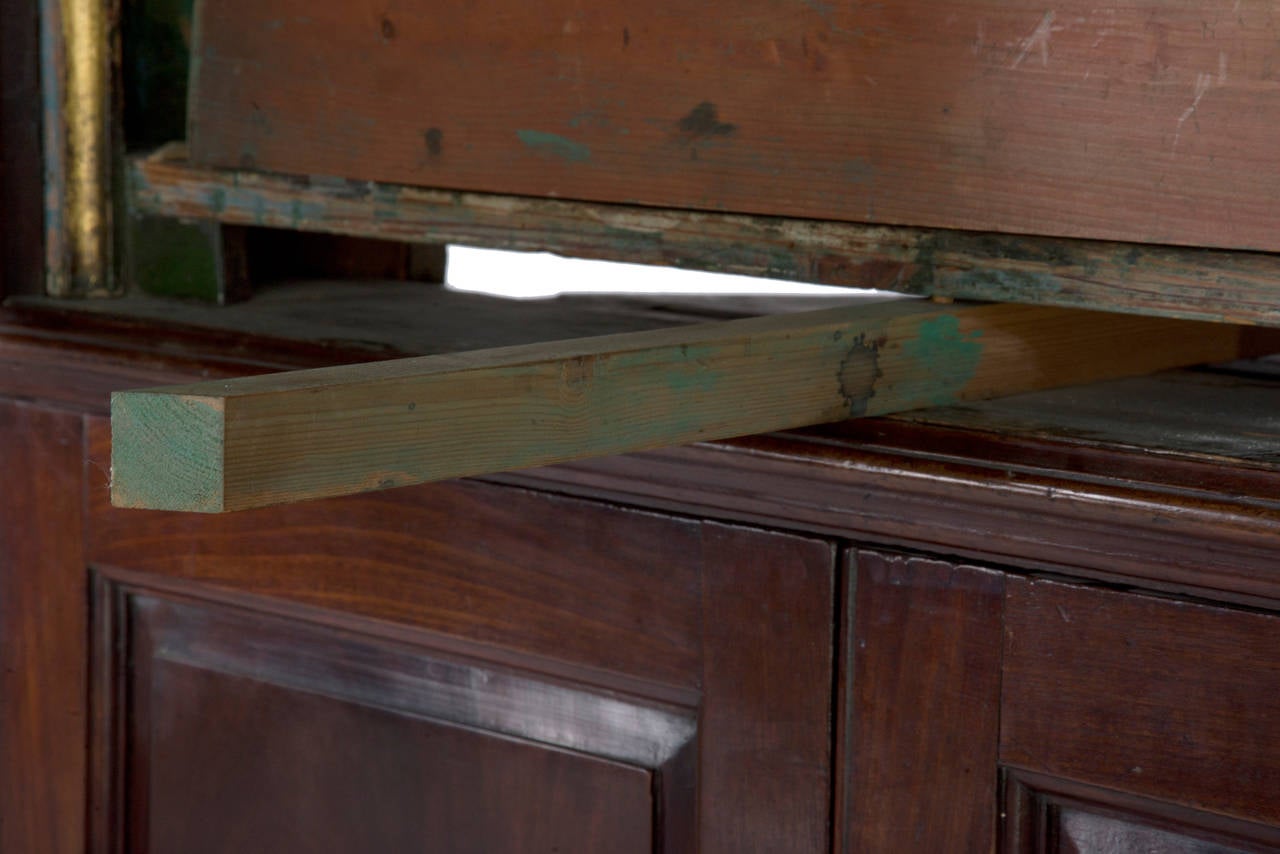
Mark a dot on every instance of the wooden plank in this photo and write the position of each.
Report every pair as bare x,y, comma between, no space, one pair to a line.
1242,287
307,434
1151,122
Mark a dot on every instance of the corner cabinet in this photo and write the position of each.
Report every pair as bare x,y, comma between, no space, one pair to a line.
631,654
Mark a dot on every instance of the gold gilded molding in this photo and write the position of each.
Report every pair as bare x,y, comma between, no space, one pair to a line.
78,65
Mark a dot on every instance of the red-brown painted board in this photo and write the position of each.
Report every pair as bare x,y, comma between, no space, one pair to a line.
1151,122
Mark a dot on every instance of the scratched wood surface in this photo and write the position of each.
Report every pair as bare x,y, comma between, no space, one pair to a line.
1202,284
228,445
1150,122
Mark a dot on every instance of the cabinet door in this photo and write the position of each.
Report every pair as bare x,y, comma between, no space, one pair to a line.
459,667
1132,722
920,694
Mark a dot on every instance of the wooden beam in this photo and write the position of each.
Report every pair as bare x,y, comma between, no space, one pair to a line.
1240,287
231,445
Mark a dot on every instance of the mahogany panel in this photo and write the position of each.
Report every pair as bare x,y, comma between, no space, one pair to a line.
768,647
595,586
43,627
1076,831
247,766
754,658
920,685
1167,699
1150,122
247,731
988,501
1046,814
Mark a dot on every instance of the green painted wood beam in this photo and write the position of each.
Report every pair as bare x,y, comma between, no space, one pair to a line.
257,441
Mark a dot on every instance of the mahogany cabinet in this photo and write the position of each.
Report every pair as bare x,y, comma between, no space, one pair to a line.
462,668
963,630
1049,623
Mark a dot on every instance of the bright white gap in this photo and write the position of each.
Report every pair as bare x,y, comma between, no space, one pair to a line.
541,275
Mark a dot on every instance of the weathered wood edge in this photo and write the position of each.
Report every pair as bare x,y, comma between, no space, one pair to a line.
257,441
1201,284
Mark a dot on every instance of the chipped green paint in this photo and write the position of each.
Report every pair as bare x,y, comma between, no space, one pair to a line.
693,372
155,466
942,360
1167,281
554,145
997,285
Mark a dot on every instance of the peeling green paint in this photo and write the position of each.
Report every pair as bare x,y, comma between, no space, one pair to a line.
554,145
943,359
997,285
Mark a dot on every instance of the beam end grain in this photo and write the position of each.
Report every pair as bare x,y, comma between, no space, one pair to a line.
272,439
167,451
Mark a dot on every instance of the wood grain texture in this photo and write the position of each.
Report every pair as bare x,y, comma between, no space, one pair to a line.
43,630
734,622
921,485
1003,494
224,446
768,652
1109,481
600,588
1050,814
1166,280
248,731
1149,123
1169,700
922,705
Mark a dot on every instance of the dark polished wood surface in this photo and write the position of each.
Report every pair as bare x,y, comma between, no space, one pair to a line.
603,588
248,732
696,652
1172,700
44,622
1053,814
921,721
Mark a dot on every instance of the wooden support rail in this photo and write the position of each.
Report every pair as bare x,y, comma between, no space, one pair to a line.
219,446
1201,284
